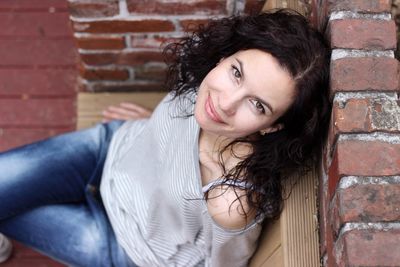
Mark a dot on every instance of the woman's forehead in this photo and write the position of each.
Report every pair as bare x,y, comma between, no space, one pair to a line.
261,67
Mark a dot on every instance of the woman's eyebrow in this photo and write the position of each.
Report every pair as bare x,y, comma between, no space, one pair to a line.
259,99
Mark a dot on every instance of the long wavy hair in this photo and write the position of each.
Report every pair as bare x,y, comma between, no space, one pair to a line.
302,51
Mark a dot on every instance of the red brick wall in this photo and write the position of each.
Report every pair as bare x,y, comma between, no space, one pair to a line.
360,186
120,41
37,71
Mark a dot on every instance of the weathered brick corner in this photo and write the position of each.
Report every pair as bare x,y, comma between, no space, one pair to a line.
360,186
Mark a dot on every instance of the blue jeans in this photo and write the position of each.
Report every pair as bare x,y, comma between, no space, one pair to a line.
50,200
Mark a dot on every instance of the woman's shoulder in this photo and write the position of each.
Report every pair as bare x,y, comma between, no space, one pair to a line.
229,208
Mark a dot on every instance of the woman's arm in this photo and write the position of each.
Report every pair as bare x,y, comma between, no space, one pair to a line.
125,111
234,229
228,207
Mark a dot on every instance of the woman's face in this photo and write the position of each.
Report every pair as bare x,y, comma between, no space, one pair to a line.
245,93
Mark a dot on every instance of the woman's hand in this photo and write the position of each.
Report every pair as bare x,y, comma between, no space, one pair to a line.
125,111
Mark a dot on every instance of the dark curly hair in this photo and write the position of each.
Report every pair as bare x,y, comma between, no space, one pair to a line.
299,49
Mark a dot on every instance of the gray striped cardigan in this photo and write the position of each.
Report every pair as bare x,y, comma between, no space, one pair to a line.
151,188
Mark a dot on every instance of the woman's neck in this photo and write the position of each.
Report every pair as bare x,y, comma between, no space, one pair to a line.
214,147
212,144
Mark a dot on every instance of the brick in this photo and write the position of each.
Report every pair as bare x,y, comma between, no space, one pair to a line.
323,211
93,9
320,16
376,6
37,112
14,137
98,59
140,57
33,5
369,248
374,158
326,234
385,114
209,7
150,72
367,203
103,43
363,34
373,73
192,24
154,41
353,117
366,115
313,13
39,24
104,74
43,82
335,219
331,140
37,53
126,58
148,86
334,176
124,26
329,247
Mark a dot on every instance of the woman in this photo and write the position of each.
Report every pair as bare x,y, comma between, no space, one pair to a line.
191,185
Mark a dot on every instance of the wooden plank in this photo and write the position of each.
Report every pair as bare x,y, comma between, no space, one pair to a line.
300,225
296,232
271,4
276,259
90,105
270,241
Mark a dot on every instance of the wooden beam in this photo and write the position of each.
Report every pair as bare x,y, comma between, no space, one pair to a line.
292,241
292,4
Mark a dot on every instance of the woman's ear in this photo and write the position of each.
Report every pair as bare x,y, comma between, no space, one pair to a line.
272,129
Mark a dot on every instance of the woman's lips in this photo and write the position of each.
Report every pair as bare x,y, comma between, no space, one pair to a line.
211,111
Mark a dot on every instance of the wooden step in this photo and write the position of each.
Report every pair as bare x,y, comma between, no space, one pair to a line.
91,105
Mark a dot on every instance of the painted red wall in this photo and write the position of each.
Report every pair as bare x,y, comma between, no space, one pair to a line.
37,71
37,83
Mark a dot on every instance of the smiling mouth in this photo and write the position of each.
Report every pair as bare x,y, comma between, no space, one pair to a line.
210,110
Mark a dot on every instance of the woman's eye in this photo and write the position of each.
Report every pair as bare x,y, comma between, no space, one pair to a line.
236,72
259,107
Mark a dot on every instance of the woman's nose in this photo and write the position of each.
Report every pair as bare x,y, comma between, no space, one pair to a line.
228,103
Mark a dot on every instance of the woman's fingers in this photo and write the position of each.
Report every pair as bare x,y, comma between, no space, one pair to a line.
110,115
125,111
134,107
